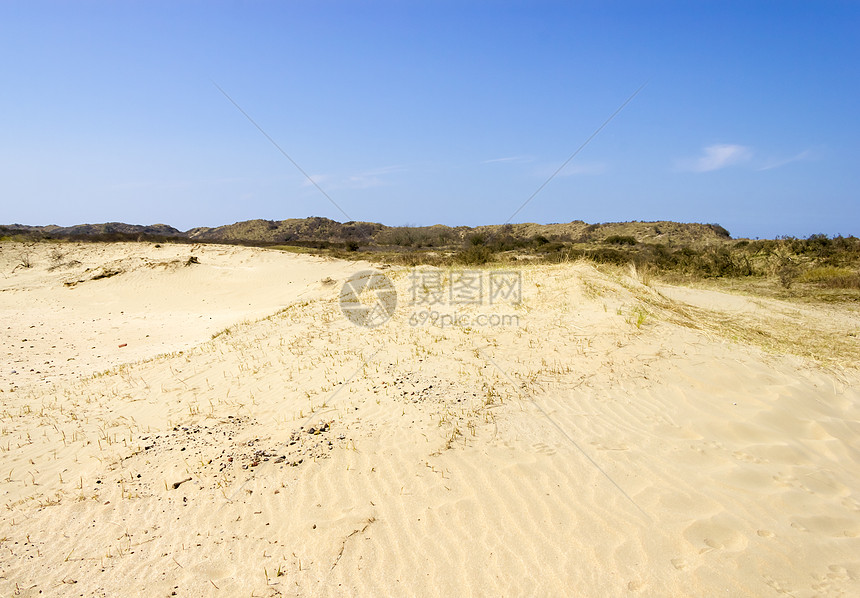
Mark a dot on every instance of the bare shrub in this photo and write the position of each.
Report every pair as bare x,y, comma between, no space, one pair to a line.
785,269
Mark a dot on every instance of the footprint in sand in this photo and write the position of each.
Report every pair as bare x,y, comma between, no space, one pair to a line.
829,583
715,536
834,527
778,586
788,481
605,447
799,526
543,449
766,533
746,457
838,573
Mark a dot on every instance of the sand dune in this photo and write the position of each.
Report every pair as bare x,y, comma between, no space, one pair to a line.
82,301
619,439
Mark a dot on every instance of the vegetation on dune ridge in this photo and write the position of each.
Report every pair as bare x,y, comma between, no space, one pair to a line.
829,266
330,233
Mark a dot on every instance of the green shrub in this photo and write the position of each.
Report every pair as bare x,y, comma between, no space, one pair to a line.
620,240
474,255
721,232
608,256
476,239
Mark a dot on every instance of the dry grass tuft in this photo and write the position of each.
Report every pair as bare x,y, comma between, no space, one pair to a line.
776,331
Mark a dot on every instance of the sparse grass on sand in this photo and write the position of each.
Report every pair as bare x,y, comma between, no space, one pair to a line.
624,436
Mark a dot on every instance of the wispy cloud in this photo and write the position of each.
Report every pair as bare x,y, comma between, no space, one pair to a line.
319,179
508,159
368,179
584,168
716,157
373,178
772,163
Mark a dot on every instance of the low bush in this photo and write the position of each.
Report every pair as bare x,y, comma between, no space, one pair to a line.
620,240
474,255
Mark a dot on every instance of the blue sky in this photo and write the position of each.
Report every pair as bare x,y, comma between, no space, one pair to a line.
432,112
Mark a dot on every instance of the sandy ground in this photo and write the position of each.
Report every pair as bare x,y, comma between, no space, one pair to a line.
83,308
610,439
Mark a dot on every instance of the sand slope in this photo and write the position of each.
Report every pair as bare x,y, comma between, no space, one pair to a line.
82,301
603,446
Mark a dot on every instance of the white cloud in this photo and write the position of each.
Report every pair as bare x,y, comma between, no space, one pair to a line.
319,179
361,180
509,159
777,162
716,157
